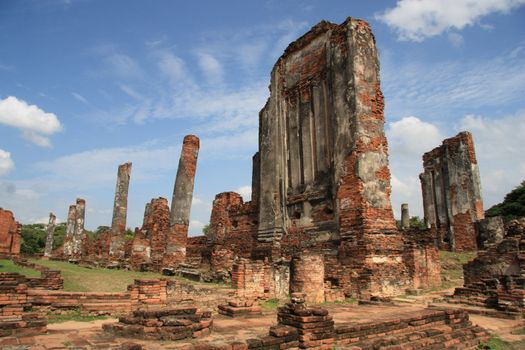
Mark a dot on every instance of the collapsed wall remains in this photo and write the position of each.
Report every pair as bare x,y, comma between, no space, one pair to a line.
452,193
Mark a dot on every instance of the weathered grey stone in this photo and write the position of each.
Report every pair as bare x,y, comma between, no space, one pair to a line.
79,235
70,230
491,230
405,216
451,189
49,238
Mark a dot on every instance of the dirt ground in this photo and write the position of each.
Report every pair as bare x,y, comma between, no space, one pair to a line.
89,335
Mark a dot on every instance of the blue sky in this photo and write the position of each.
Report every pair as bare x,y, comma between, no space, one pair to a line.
88,85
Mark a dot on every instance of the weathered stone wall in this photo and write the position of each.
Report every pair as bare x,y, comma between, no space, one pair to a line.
323,153
495,278
490,230
10,234
452,193
149,244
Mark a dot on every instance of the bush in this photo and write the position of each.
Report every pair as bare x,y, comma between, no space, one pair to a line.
512,207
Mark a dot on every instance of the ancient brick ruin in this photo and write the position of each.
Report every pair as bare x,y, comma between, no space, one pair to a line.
321,181
452,193
10,234
320,192
496,277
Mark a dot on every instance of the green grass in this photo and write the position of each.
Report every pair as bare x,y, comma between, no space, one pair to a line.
72,316
9,266
452,267
83,279
519,331
270,304
347,301
496,343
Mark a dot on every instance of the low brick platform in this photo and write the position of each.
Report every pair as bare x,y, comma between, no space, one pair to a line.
305,328
169,324
240,308
15,320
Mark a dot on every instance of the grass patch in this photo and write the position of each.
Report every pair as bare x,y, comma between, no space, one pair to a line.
9,266
83,279
452,267
270,304
347,301
72,316
496,343
519,331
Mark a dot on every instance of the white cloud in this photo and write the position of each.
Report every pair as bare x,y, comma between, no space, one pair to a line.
35,124
499,150
408,139
80,98
6,163
499,147
410,135
245,192
211,68
196,227
417,20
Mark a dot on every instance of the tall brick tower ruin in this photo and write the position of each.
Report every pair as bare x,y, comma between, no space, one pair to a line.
181,202
120,210
451,189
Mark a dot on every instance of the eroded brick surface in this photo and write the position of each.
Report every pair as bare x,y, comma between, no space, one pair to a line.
10,234
494,278
452,194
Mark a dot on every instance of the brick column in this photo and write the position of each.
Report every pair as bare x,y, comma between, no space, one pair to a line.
181,203
120,209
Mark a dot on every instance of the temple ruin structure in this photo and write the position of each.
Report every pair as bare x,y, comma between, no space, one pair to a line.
10,234
48,249
321,181
452,193
320,220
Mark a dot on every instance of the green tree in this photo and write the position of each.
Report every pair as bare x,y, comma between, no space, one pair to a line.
512,207
33,238
206,229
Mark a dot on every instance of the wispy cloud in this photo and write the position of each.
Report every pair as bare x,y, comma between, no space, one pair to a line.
80,98
437,89
35,124
6,162
417,20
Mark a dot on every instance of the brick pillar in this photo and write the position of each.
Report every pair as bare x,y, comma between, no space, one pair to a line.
120,209
70,231
181,203
79,235
307,276
50,231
